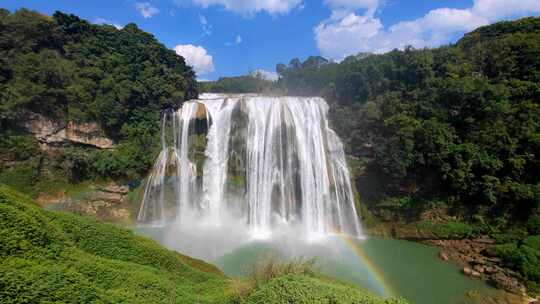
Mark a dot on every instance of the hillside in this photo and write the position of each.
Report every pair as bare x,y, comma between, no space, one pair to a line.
58,257
456,125
81,101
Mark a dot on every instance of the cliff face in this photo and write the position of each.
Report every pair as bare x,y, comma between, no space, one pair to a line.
51,133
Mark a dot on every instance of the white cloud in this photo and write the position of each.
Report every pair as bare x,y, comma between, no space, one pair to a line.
196,57
238,39
341,8
207,28
264,74
497,9
146,9
105,21
248,8
346,32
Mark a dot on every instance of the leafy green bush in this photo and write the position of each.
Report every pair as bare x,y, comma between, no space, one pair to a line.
22,177
272,267
533,224
311,290
533,242
450,230
524,258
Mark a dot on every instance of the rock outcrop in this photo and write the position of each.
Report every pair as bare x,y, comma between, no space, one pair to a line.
107,202
471,255
52,133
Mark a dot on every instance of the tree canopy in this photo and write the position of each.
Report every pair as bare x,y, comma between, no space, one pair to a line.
459,122
68,69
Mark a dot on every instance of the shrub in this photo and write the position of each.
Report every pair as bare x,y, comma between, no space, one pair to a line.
450,230
273,266
310,290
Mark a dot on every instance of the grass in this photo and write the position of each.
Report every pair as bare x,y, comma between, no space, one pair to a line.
55,257
274,280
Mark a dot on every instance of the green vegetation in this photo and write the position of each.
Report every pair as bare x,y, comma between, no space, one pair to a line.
240,84
57,257
48,257
304,290
68,69
450,229
459,123
272,280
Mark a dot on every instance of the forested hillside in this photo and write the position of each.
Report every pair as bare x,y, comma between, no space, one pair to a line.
69,70
457,124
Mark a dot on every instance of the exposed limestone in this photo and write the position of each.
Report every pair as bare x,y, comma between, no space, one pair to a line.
88,133
52,133
107,202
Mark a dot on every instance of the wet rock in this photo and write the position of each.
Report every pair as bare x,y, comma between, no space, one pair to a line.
501,280
490,270
115,188
443,256
467,270
479,268
105,196
476,274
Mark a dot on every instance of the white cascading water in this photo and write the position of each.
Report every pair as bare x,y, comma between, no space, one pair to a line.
217,152
152,209
186,169
292,168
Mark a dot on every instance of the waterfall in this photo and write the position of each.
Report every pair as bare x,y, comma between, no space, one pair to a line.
217,152
152,207
292,168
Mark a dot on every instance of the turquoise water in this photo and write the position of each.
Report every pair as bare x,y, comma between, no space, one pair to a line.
386,267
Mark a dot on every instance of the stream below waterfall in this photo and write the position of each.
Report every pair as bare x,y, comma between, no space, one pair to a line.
386,267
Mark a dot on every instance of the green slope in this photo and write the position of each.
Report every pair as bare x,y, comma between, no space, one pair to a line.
55,257
52,257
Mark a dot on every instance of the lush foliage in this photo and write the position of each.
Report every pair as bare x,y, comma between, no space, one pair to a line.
55,257
68,69
48,257
523,256
460,123
304,290
240,84
273,280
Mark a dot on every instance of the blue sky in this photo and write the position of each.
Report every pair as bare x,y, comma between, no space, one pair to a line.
233,37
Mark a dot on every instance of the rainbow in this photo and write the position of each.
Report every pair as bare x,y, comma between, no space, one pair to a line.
374,271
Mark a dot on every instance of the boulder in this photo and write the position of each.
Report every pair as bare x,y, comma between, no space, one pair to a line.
479,268
510,284
443,256
114,188
476,274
